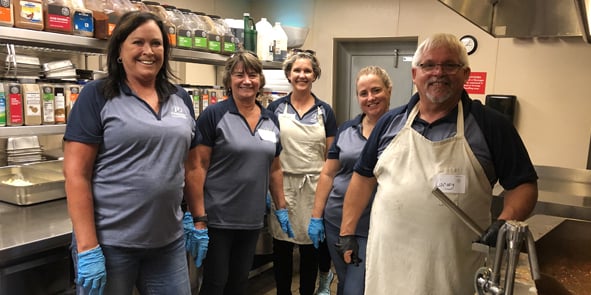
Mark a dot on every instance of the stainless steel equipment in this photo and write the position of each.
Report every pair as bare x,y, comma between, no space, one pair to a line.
31,184
510,240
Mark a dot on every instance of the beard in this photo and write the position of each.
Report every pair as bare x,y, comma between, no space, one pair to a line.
441,93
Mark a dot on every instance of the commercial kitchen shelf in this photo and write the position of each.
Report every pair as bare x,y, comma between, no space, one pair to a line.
80,45
8,131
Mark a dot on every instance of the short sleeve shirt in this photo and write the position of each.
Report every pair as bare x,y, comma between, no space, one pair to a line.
237,179
346,148
138,175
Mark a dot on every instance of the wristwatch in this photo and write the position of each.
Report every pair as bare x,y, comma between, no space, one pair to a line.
202,218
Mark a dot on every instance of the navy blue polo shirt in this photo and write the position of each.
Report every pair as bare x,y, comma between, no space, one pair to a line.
311,116
492,138
237,179
346,148
138,175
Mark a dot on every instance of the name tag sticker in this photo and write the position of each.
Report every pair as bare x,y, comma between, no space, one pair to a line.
451,183
287,116
268,135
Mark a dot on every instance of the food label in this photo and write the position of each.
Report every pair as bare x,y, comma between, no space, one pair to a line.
31,12
82,22
5,11
214,43
200,39
15,105
48,105
58,17
185,39
60,105
2,106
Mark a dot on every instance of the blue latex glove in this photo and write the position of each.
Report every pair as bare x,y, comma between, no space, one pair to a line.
188,222
91,270
197,243
268,200
283,219
316,231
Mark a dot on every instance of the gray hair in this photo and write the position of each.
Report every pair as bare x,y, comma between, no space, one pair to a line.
441,40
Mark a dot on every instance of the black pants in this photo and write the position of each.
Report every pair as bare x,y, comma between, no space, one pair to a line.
229,259
324,260
283,267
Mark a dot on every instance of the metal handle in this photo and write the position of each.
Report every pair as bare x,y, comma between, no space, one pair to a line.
455,209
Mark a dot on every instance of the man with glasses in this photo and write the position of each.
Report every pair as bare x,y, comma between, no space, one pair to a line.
442,138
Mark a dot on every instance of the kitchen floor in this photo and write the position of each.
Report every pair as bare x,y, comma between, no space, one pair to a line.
264,284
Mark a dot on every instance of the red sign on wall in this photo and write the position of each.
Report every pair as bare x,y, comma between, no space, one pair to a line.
476,83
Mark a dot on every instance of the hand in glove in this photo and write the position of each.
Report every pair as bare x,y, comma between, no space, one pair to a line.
348,249
91,270
268,202
489,237
197,244
316,231
283,219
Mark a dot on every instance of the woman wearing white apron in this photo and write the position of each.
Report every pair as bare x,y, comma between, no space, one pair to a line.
308,126
416,245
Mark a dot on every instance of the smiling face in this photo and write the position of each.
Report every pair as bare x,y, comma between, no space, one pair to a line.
437,85
245,83
142,53
373,96
302,75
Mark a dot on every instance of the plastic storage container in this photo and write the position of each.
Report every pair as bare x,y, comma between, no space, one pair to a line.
200,32
264,40
28,14
230,43
280,43
215,35
100,15
82,19
156,8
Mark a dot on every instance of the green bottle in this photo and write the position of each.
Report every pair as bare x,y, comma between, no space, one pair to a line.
250,33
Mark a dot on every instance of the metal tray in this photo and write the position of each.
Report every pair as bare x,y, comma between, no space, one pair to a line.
45,185
54,166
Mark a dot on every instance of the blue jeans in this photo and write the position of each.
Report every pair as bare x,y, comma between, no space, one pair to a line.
152,271
351,278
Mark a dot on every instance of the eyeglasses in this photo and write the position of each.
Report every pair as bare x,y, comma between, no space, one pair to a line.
447,68
307,51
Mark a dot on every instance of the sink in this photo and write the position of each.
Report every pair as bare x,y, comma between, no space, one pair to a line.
564,257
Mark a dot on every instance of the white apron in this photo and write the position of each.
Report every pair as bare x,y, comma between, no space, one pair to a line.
302,158
416,245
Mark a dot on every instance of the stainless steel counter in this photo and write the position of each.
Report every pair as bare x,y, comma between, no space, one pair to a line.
26,230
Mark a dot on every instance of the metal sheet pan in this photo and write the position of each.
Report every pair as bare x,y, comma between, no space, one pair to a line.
45,185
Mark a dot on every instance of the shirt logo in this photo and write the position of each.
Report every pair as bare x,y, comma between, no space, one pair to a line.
177,112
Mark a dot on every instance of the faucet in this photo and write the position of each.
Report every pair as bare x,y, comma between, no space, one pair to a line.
510,239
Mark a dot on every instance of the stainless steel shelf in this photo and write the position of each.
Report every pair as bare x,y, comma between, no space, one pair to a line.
55,41
32,130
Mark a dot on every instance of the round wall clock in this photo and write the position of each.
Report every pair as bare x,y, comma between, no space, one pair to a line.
470,43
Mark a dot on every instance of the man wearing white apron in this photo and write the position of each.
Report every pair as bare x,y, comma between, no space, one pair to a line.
416,245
